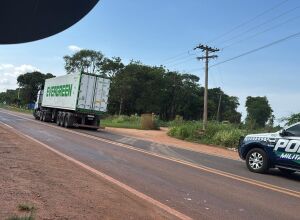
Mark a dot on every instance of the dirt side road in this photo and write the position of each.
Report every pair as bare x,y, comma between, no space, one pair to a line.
161,137
59,189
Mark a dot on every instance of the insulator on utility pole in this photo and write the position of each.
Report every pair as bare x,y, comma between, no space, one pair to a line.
207,50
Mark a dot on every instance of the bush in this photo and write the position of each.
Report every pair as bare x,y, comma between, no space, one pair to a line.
124,121
187,130
227,138
226,135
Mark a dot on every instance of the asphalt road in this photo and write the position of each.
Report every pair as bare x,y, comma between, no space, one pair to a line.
198,185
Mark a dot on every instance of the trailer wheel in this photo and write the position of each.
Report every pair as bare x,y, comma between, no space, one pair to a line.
61,119
67,121
58,118
47,117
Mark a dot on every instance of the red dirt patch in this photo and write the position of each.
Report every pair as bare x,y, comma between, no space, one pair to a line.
59,189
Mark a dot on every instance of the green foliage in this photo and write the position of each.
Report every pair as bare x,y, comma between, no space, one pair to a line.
111,67
88,61
16,108
30,83
219,134
122,121
21,218
293,118
228,138
26,207
258,111
139,88
186,131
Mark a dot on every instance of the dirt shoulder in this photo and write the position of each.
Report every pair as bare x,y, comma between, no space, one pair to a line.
161,137
59,189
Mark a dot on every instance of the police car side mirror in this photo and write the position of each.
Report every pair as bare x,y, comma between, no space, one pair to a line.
283,133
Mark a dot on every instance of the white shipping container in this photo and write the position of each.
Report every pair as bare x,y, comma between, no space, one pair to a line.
78,92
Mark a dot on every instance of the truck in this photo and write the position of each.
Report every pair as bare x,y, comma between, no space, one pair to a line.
73,100
272,150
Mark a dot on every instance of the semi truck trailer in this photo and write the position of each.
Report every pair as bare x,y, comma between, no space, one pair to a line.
73,100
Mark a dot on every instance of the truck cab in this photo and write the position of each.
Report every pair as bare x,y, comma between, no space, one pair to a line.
272,150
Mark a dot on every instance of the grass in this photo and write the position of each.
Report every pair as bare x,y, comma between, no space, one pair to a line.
218,134
124,121
24,208
21,218
16,109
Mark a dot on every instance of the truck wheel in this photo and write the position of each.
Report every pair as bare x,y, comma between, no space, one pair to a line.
286,171
67,121
42,116
257,161
58,118
47,117
61,120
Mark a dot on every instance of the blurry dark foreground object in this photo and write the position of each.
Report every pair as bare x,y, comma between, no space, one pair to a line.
29,20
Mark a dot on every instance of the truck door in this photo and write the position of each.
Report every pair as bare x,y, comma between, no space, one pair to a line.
86,92
287,148
101,94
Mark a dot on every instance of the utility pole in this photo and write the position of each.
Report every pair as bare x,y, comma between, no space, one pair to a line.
207,50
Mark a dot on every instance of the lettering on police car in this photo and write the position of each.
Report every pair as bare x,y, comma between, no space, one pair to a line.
290,146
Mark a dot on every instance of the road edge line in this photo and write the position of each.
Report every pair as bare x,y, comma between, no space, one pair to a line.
105,176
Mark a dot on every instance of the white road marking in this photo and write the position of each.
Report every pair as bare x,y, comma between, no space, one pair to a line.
106,177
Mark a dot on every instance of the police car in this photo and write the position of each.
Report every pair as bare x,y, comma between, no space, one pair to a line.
272,150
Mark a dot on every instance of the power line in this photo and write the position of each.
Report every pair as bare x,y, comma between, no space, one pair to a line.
258,49
261,32
180,58
249,21
175,56
184,61
261,24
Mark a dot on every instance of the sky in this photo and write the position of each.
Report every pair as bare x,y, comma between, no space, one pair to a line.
158,32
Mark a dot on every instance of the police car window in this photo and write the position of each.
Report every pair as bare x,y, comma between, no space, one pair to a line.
294,131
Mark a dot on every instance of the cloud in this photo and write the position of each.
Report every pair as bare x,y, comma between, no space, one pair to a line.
6,66
74,48
10,72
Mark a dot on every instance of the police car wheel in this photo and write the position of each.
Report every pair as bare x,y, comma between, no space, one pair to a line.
286,171
257,161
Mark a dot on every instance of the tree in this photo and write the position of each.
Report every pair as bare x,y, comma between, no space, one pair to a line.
9,97
228,106
111,67
30,84
258,110
88,61
138,88
293,118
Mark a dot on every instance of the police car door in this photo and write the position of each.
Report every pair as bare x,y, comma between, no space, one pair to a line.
287,148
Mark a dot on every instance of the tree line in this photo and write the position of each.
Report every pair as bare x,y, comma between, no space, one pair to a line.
137,88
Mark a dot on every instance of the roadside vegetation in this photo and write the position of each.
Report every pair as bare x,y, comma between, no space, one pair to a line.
217,134
29,209
15,108
122,121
